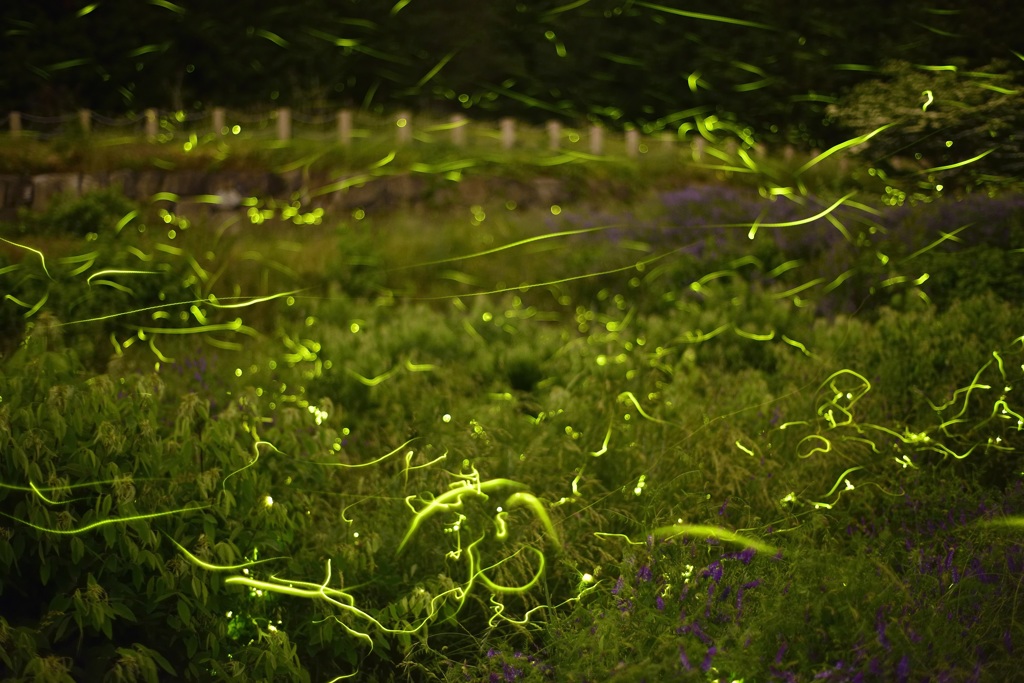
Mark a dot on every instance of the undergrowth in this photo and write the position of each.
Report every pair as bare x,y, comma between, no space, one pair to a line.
500,445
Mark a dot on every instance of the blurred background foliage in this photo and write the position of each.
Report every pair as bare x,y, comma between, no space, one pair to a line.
795,71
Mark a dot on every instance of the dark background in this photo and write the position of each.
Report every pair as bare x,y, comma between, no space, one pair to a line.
774,65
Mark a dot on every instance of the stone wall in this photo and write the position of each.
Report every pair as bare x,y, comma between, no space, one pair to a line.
389,191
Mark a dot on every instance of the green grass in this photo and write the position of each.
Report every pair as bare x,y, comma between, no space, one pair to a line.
447,446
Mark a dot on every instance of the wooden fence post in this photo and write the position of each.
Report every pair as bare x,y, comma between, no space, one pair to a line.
151,125
14,122
508,133
404,123
284,123
219,124
345,127
85,120
697,147
554,134
458,122
596,140
632,143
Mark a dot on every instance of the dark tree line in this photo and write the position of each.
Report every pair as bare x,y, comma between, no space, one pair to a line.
774,65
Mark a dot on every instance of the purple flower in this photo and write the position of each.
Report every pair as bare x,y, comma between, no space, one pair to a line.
883,640
714,571
618,586
683,660
903,669
659,602
511,672
644,574
706,664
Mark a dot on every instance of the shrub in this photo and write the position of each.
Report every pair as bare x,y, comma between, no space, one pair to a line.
945,115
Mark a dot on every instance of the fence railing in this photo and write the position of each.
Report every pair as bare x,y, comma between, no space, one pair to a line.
346,127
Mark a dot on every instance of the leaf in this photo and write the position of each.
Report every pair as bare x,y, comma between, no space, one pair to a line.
123,611
158,658
184,613
77,549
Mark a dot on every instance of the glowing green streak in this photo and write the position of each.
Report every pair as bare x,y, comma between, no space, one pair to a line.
963,390
799,288
839,281
841,478
564,8
627,539
604,445
957,164
272,37
453,500
218,567
512,245
628,396
419,367
810,219
112,271
1010,521
227,346
797,345
118,287
754,336
399,6
250,301
931,98
256,457
705,17
945,236
373,462
164,197
817,449
841,146
342,185
39,493
524,287
1006,412
156,352
235,326
371,381
42,259
31,309
531,501
86,10
168,5
744,448
699,337
103,522
708,531
437,68
999,360
513,589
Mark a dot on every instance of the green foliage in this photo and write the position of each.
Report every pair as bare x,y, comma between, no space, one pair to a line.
405,487
943,115
94,213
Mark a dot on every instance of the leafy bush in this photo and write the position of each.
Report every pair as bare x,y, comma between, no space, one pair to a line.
943,115
96,212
